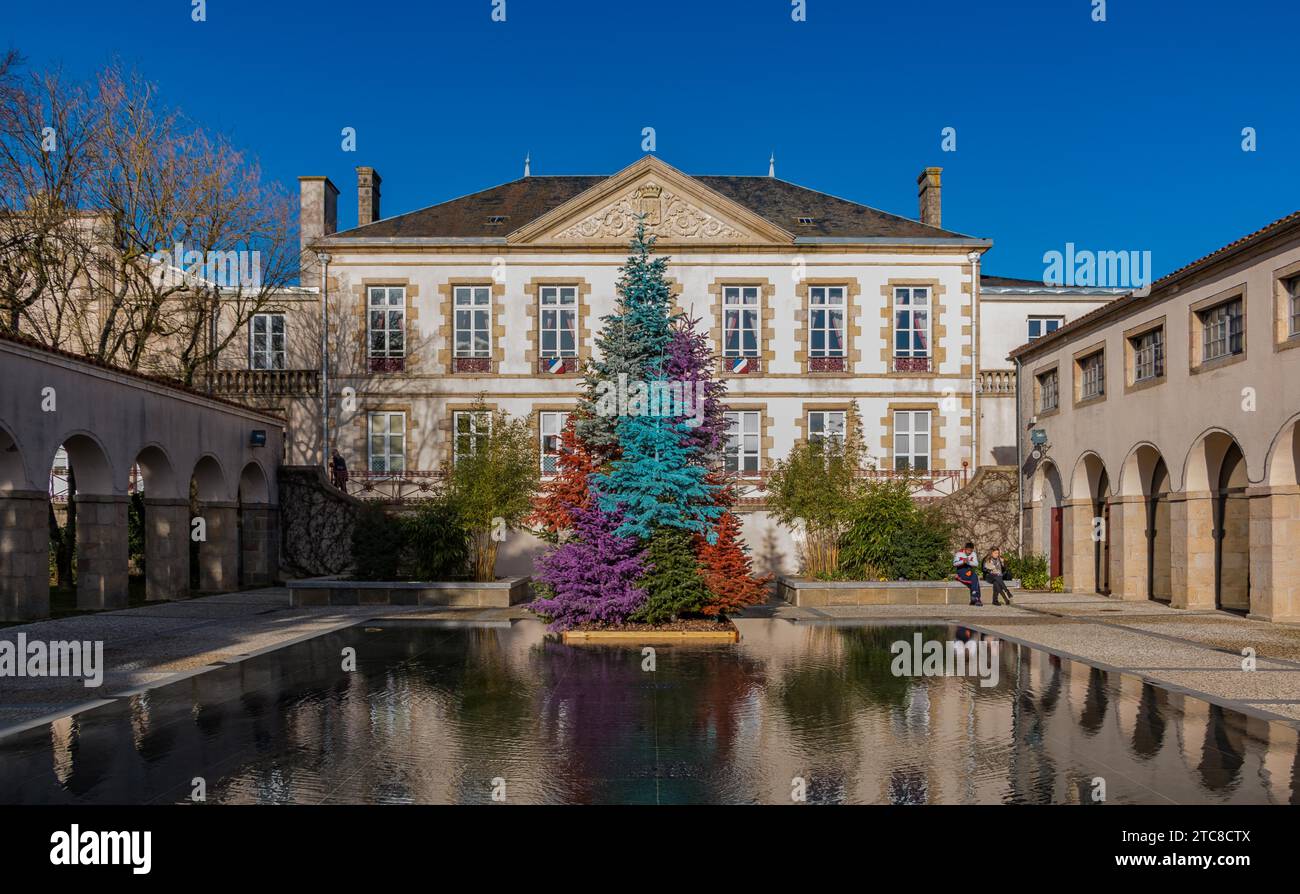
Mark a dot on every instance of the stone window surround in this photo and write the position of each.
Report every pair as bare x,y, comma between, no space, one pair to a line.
1283,339
938,329
1076,383
1037,374
938,444
412,360
815,406
535,421
1195,330
532,350
766,440
1130,355
766,320
852,324
447,329
447,426
361,421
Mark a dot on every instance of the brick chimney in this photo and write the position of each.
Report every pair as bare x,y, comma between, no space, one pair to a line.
928,190
367,196
318,216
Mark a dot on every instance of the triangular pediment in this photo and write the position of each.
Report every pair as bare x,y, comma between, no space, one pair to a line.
678,209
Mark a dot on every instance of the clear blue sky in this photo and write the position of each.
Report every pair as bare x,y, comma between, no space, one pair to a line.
1123,135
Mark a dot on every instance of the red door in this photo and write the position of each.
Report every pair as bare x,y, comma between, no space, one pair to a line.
1056,541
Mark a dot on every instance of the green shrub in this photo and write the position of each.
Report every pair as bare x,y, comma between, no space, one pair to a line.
891,537
437,544
813,490
1058,585
1030,565
378,540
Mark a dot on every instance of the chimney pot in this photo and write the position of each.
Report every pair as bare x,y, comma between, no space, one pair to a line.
929,191
367,196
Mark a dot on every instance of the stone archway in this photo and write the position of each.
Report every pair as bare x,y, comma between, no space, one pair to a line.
1275,531
1232,533
259,526
166,527
1210,527
1087,538
96,517
1139,527
24,543
1050,498
214,528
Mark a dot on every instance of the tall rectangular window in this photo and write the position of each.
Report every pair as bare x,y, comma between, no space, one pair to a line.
559,320
386,323
549,426
826,307
1149,355
1092,376
912,440
744,436
825,424
1293,294
1221,330
911,329
471,432
1040,326
1049,391
473,336
387,442
740,312
266,341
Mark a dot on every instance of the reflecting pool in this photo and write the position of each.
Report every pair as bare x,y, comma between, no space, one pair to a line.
460,714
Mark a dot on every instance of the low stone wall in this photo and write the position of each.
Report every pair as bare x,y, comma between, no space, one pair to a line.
809,592
463,594
316,521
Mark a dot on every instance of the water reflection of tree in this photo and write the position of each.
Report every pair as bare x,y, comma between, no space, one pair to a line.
619,733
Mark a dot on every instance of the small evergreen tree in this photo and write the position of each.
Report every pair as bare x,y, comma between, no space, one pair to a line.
593,577
568,491
673,584
728,570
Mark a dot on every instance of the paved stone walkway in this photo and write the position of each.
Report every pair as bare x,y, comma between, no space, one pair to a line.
1197,652
1194,652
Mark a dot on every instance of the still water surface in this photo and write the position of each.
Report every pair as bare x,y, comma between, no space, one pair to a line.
441,714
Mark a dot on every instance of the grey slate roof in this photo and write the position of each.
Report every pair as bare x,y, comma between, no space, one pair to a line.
524,200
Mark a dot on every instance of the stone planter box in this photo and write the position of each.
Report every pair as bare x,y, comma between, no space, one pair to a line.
809,592
327,591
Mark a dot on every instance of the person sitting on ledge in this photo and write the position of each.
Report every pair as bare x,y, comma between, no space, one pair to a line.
995,570
967,565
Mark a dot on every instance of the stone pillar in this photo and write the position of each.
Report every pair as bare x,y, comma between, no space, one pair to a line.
259,544
166,549
219,554
1128,548
1191,539
1078,562
1031,536
1275,553
102,552
24,555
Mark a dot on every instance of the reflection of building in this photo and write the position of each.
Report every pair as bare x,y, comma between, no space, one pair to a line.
1170,470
